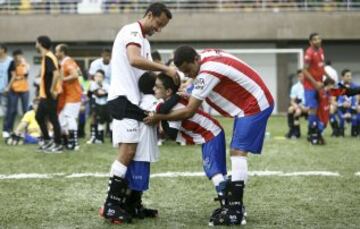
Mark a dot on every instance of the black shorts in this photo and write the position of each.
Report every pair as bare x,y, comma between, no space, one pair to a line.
102,114
121,108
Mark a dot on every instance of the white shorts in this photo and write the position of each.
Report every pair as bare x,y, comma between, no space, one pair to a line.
125,131
70,110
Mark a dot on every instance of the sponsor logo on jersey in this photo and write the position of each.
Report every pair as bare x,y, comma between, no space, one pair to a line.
199,83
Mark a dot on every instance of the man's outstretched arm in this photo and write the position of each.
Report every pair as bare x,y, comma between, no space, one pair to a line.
179,114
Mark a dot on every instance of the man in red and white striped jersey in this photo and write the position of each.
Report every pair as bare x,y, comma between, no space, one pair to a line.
236,90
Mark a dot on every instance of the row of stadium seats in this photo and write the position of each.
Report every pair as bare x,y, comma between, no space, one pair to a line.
114,6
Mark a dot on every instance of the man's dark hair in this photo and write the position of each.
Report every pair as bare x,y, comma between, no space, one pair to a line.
299,71
106,50
168,82
169,62
184,54
155,55
343,72
328,62
312,35
157,8
17,52
64,48
3,47
44,41
147,82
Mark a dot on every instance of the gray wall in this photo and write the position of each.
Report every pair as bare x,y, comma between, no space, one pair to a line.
224,26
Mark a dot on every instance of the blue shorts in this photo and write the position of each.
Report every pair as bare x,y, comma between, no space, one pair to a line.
214,156
138,175
249,132
311,98
28,139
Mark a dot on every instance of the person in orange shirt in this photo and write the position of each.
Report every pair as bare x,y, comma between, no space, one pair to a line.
70,97
18,88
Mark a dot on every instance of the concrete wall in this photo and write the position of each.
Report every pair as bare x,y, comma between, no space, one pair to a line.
225,26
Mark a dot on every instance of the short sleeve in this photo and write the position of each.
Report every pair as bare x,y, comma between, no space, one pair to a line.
133,37
26,118
93,67
308,57
203,85
293,92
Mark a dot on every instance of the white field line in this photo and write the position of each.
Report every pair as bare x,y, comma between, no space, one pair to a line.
357,174
77,175
166,174
30,176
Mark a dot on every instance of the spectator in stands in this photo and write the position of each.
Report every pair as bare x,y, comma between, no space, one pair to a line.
297,107
28,130
18,88
5,61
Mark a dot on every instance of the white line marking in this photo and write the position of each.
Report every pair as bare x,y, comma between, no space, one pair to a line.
30,176
76,175
357,174
167,174
178,174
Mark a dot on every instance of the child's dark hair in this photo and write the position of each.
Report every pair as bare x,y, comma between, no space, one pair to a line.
329,81
343,72
147,82
101,72
168,82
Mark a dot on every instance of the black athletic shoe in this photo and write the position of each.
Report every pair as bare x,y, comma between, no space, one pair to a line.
115,214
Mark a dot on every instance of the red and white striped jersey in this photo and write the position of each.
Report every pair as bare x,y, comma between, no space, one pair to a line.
198,129
229,85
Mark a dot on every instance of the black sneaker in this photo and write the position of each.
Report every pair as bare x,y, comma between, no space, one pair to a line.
54,148
45,144
115,214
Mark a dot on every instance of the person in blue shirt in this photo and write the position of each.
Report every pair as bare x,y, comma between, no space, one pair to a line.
5,61
347,106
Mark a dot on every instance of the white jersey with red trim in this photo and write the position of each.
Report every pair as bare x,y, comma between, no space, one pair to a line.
124,77
198,129
230,86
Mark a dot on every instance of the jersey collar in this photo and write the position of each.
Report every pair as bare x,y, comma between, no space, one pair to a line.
142,29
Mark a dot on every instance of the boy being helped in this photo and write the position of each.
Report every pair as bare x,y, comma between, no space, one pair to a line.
199,129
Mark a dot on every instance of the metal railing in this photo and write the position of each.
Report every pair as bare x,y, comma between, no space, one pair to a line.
118,6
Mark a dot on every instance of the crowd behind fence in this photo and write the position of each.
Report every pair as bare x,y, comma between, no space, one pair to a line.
116,6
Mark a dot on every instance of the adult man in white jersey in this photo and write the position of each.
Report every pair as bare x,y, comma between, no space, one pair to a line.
234,89
102,63
131,57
